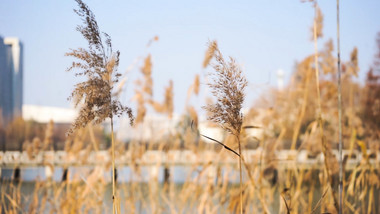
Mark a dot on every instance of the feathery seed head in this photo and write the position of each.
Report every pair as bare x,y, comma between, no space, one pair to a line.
99,65
228,88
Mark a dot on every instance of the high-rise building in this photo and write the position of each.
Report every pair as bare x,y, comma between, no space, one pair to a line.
11,79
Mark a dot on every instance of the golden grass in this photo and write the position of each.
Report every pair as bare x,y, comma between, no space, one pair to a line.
293,120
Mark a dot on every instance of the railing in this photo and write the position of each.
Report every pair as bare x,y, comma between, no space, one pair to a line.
284,158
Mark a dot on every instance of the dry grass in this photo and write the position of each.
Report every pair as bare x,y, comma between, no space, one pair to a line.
293,120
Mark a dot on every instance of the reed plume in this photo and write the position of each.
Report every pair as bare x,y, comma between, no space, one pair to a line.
210,53
48,140
196,84
227,86
99,65
145,90
146,70
141,110
328,64
317,28
193,89
352,65
167,107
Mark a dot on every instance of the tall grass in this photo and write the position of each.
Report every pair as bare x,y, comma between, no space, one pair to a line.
317,32
214,183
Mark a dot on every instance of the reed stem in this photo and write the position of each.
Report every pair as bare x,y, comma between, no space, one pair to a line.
325,149
241,180
113,169
339,113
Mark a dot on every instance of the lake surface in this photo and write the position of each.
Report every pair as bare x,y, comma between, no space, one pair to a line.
146,179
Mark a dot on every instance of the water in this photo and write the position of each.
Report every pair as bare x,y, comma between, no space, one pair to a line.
142,189
179,174
145,177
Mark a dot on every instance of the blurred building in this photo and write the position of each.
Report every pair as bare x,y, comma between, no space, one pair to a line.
280,79
154,127
43,114
11,79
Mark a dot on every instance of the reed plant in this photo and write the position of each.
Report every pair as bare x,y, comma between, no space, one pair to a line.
99,64
329,158
227,86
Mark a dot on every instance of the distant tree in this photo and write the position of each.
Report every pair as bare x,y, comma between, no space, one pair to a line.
34,129
372,93
15,134
19,131
2,138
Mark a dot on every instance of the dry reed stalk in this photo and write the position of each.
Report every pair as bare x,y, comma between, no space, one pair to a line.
255,186
43,200
57,195
14,206
146,70
298,191
145,91
169,95
3,204
141,110
311,196
129,202
48,140
340,116
92,137
306,67
167,106
320,201
317,32
193,89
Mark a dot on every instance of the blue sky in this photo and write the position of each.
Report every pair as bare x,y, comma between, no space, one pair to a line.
263,36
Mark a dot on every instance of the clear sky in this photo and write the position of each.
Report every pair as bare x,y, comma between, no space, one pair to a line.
262,35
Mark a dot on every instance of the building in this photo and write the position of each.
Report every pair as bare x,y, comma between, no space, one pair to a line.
6,109
11,79
43,114
154,127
